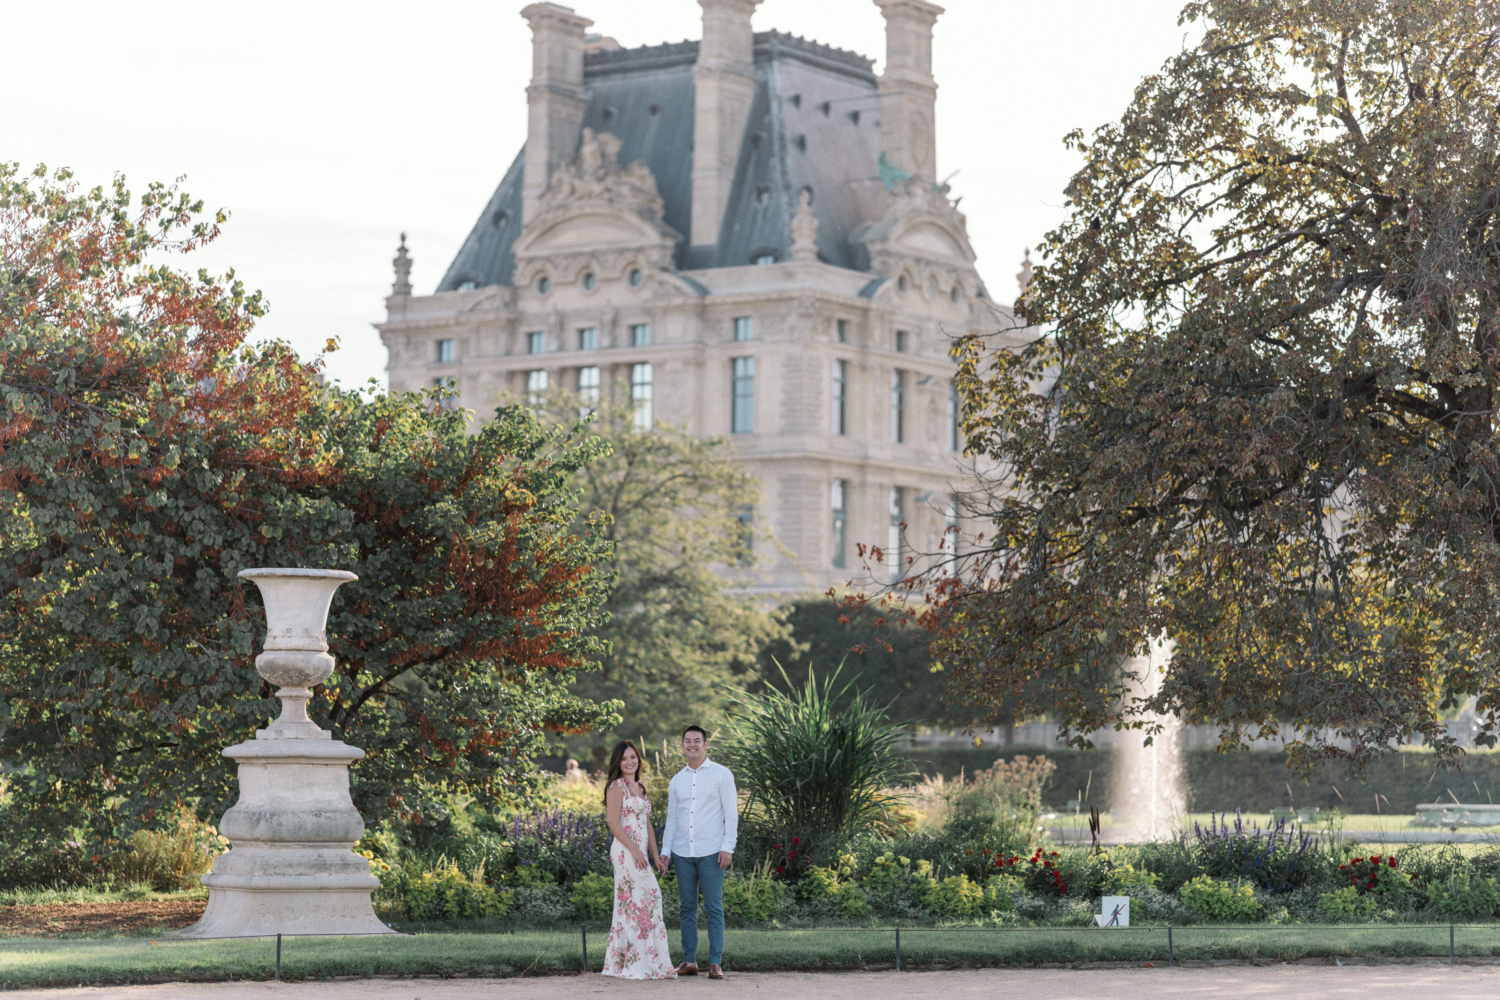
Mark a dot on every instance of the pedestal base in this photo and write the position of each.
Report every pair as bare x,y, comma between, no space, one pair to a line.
267,912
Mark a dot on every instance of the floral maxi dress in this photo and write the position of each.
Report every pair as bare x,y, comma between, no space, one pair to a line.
637,936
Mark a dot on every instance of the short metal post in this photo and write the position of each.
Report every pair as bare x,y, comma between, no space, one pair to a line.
1171,955
1451,959
585,929
898,949
278,957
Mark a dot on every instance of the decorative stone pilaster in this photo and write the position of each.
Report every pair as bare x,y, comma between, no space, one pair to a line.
291,868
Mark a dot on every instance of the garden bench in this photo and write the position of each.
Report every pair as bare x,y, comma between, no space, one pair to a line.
1456,814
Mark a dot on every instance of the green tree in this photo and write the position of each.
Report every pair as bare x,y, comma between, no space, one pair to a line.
1260,419
880,655
681,638
148,456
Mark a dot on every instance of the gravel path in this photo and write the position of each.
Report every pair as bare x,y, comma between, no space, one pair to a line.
1276,982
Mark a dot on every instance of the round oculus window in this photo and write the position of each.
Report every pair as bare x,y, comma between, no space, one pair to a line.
589,281
544,284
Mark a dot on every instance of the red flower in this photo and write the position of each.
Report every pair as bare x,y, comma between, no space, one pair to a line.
792,855
780,869
1359,861
1341,867
796,840
1062,890
777,847
1393,862
1372,883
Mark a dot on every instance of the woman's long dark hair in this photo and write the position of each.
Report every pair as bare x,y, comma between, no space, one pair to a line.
614,766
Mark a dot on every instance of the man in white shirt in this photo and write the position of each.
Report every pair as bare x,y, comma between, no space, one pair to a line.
702,822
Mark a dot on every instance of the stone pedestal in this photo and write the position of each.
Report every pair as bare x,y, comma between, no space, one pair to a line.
291,869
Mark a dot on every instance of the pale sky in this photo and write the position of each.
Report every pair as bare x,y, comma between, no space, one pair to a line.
328,128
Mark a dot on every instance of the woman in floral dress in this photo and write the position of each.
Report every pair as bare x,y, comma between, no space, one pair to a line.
637,937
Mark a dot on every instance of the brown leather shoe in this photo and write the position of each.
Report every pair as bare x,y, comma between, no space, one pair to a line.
715,972
688,969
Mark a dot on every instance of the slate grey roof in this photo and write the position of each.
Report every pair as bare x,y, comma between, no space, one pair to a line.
813,122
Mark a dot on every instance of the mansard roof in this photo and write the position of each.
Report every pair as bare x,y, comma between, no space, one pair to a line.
813,122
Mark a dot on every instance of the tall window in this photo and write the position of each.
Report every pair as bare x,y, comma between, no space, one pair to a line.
841,331
536,342
903,341
894,557
840,395
840,519
641,396
898,405
588,391
952,415
536,387
744,328
746,515
445,349
640,334
449,386
742,419
588,338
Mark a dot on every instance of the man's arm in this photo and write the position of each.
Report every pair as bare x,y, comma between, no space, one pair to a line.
729,800
668,830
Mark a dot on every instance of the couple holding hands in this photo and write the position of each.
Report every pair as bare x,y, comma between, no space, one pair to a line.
698,840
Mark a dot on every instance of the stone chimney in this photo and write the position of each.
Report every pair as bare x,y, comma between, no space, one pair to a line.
908,93
724,83
555,100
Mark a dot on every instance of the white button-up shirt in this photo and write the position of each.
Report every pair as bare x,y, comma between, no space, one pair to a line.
702,812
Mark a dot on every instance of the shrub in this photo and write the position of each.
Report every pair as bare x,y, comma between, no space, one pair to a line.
593,896
1044,874
1126,880
170,859
1000,805
753,899
445,892
1276,859
819,883
47,864
953,897
1347,903
1463,897
816,770
1219,900
851,899
564,845
530,877
1000,892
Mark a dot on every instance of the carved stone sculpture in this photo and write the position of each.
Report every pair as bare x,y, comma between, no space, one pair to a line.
291,868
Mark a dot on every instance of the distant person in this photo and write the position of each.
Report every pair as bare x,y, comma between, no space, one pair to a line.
702,822
573,772
638,947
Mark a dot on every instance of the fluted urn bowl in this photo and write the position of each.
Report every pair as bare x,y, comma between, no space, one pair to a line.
296,647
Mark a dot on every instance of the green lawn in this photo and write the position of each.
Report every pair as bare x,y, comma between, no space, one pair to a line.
34,963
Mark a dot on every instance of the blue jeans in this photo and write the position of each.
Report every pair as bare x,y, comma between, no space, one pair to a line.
692,873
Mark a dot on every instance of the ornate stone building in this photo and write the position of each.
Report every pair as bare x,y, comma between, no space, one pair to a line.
745,235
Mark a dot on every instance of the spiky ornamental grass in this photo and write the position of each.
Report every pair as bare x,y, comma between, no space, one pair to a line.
814,771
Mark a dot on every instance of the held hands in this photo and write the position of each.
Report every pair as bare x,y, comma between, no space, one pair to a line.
661,864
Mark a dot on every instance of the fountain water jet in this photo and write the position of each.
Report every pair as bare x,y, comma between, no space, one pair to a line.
1148,787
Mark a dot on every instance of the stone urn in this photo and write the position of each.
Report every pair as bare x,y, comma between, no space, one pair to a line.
291,868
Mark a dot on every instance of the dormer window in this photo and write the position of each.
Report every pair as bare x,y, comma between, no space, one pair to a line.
589,281
903,341
544,284
467,285
764,257
763,194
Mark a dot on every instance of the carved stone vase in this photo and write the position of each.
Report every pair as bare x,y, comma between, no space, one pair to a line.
291,868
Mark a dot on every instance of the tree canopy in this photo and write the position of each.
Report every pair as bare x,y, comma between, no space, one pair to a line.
1258,416
148,455
681,633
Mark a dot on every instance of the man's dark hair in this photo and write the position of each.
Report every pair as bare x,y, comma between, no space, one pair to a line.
695,729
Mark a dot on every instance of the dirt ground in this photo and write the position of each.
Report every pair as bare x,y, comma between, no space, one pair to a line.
1385,982
98,918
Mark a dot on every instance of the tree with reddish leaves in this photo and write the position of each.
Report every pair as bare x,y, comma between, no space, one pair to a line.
148,454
